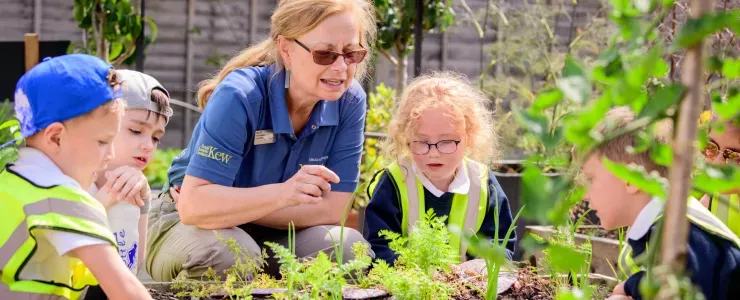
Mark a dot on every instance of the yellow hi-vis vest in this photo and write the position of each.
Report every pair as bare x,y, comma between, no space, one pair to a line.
699,216
27,208
727,209
467,211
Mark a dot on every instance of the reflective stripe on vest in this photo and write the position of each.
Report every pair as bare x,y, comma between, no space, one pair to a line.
26,207
467,211
727,209
696,214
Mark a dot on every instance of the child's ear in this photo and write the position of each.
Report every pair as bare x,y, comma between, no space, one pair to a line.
283,47
632,189
53,136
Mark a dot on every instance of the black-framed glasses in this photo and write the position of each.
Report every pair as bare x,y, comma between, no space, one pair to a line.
326,57
444,147
730,156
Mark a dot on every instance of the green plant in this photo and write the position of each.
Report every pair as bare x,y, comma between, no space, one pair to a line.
529,56
320,276
426,247
9,130
408,283
380,107
423,253
156,171
395,23
240,279
110,29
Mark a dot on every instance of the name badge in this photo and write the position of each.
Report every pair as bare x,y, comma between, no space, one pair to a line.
262,137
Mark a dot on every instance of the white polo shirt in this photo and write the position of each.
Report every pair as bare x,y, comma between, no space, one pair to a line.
459,185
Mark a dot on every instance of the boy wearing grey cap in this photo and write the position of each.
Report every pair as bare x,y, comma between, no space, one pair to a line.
122,187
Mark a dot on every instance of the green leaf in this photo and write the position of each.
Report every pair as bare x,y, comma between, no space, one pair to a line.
546,99
718,179
153,29
574,84
566,259
537,124
535,194
637,176
662,154
731,68
643,6
728,110
573,294
695,30
115,50
663,99
578,126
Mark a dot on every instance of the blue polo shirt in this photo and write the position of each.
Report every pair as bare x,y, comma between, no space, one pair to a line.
245,138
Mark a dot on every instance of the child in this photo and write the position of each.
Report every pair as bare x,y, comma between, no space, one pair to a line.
724,148
54,240
124,190
440,124
713,255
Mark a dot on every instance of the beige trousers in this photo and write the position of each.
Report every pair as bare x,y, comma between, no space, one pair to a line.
175,248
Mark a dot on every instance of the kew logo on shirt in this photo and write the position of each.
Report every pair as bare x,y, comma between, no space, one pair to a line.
316,161
213,153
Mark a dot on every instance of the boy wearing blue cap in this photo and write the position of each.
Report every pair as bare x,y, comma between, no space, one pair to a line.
54,236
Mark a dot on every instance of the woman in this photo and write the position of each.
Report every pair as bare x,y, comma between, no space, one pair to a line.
279,141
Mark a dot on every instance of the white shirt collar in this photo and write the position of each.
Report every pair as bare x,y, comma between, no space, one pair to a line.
35,166
459,185
645,219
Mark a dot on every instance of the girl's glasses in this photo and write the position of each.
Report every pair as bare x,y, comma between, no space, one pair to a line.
326,57
730,156
444,147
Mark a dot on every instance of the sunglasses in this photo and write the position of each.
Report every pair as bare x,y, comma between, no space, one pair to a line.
326,57
730,156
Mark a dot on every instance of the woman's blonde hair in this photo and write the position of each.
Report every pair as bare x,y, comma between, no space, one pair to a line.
452,92
291,19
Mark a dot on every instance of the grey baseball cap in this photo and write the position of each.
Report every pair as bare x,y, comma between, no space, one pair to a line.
137,92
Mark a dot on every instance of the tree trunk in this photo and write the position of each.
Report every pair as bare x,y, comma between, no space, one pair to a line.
675,230
401,73
98,30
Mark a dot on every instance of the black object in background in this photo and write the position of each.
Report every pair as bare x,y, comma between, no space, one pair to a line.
95,293
12,60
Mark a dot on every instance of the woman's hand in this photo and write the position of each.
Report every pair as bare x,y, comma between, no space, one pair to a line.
307,186
124,184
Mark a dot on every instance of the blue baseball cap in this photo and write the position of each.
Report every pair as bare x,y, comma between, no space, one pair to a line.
61,88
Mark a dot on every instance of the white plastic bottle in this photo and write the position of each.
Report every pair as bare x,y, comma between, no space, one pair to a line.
123,219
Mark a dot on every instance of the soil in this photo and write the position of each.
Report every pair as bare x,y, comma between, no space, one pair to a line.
159,295
599,232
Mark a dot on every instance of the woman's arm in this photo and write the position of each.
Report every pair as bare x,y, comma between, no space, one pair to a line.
213,206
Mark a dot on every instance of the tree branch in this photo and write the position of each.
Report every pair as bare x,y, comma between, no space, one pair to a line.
675,232
390,57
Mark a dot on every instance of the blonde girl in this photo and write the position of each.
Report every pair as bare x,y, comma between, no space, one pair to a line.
441,141
279,142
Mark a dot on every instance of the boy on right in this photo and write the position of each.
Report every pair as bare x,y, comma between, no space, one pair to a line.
713,260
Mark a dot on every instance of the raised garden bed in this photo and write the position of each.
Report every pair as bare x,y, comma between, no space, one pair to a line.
605,250
469,280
